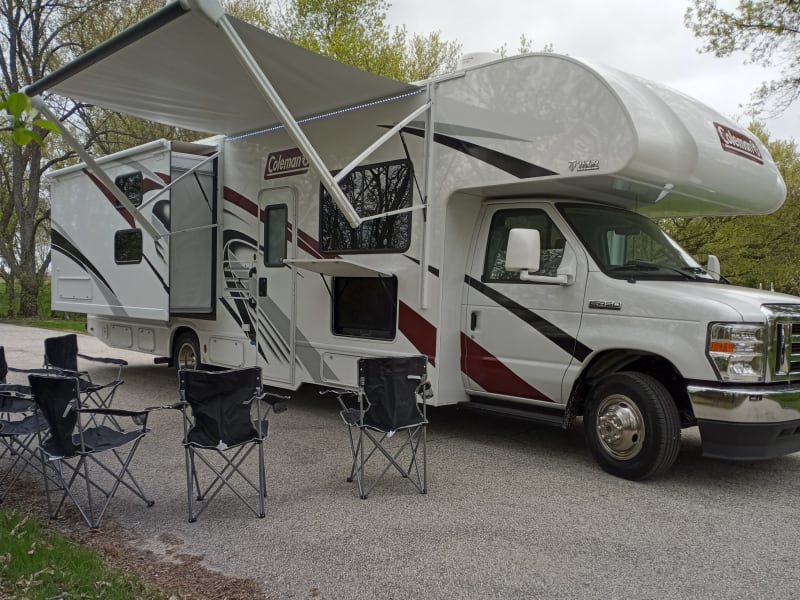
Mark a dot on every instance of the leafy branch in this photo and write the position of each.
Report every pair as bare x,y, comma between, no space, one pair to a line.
18,116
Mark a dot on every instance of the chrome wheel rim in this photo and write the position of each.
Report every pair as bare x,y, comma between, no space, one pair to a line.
620,427
187,357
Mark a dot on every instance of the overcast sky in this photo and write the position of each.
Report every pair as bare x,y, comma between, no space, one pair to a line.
643,37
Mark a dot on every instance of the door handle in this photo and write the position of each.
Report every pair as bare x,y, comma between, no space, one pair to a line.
262,287
473,320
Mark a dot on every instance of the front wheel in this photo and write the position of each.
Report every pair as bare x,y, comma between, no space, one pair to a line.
632,426
187,352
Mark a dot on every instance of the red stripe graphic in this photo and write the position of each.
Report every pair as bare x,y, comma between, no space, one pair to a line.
418,331
491,374
236,198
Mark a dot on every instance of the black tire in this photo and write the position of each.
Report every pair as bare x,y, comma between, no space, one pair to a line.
632,426
187,352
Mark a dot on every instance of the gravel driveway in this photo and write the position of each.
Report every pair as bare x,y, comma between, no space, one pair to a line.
515,510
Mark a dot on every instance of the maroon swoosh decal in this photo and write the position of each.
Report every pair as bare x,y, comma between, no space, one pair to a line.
236,198
110,197
492,375
164,177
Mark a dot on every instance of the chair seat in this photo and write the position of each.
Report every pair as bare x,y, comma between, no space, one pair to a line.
197,438
31,424
352,417
96,439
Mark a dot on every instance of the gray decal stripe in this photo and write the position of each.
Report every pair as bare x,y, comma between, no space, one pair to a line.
505,162
556,335
152,268
67,248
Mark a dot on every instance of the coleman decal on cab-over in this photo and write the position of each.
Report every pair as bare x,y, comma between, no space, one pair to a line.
285,163
736,143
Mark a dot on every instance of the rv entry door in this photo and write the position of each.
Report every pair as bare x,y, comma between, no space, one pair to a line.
275,285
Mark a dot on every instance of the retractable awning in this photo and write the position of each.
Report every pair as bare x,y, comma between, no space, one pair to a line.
178,68
336,267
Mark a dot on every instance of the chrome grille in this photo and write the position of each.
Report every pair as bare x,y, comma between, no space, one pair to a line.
783,322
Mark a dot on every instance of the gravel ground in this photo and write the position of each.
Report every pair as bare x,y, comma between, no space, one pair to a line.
515,510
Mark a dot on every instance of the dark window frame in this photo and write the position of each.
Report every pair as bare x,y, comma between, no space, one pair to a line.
267,212
133,234
334,220
386,290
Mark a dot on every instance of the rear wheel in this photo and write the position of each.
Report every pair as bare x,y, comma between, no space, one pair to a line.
632,426
187,352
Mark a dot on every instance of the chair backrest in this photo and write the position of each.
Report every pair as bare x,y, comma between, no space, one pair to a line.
220,403
57,397
389,384
3,365
62,352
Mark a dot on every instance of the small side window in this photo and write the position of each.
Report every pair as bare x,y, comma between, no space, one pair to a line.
365,307
132,185
275,235
128,247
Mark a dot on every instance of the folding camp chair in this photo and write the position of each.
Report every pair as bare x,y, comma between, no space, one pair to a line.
61,354
21,427
390,390
71,446
219,421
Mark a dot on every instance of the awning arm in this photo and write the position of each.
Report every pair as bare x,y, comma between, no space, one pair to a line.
380,142
172,183
213,11
91,163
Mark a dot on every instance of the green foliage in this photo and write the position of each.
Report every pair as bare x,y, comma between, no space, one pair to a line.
767,30
37,565
753,250
20,118
355,32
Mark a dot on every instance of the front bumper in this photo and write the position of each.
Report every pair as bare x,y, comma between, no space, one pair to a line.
747,422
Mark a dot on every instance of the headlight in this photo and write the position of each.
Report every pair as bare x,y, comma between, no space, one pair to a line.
738,351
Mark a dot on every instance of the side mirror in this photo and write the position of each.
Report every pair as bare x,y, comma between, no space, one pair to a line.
523,254
523,250
713,267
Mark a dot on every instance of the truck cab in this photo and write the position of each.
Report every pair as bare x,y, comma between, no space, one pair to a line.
600,314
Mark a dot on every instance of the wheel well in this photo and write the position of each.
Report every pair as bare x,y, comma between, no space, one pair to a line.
176,336
613,361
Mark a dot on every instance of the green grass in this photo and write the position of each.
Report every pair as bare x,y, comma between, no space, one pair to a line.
47,318
35,564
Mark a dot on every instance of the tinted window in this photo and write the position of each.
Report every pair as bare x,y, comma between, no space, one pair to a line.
132,185
275,235
372,190
365,307
128,246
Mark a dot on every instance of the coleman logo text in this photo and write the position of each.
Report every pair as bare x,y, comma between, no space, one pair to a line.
285,163
736,143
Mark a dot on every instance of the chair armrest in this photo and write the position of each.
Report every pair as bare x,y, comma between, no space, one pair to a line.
109,361
276,401
15,391
179,405
138,416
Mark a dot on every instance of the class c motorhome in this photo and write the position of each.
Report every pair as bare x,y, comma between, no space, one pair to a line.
495,219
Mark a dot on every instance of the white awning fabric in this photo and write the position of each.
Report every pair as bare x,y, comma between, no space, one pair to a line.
186,74
336,267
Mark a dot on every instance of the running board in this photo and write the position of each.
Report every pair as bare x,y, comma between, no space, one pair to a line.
537,414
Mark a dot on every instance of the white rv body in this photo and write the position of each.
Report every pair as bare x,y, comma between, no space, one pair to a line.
255,265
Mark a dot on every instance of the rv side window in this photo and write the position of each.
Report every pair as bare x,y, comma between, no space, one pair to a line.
365,307
132,185
372,190
275,222
128,247
503,221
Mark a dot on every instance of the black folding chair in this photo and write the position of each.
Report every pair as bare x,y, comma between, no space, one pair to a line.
390,392
223,418
21,428
72,445
61,354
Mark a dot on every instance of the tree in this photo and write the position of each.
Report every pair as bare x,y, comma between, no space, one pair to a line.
766,29
355,32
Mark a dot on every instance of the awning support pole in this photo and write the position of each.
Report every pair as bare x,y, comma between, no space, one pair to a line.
292,128
427,162
96,169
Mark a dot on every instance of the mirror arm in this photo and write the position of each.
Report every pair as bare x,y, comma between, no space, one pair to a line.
561,279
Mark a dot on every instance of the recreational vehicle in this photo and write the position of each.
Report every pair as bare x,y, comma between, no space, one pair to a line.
497,220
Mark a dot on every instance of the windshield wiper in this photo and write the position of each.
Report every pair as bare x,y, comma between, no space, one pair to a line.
641,265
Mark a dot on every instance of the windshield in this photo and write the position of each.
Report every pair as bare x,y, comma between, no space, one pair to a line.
627,245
